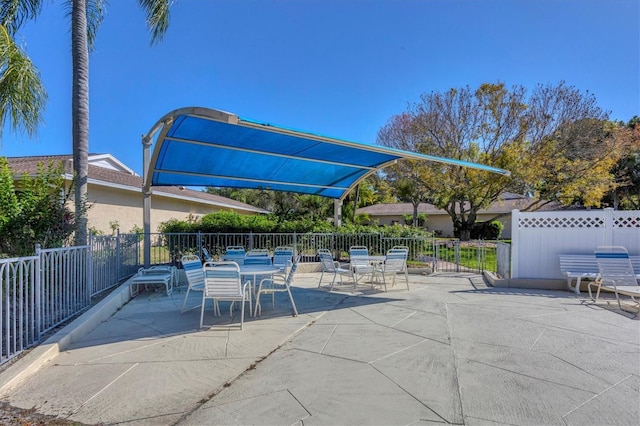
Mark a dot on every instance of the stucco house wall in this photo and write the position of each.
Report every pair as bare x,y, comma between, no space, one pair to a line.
115,195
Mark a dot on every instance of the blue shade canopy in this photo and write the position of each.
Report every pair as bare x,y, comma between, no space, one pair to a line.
206,147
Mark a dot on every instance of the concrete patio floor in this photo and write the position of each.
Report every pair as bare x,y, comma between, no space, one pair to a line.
449,351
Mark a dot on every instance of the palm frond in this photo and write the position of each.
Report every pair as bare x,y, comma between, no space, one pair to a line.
14,13
22,94
157,12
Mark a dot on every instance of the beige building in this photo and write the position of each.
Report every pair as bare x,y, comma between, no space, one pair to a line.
115,195
439,221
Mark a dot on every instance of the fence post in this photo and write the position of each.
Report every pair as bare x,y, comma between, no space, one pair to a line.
89,265
199,243
515,238
118,254
608,226
295,244
38,291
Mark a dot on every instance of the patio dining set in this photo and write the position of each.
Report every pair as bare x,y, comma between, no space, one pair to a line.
240,276
366,268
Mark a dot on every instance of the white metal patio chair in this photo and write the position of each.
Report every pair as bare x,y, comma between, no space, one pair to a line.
277,284
331,266
360,264
358,251
257,257
222,283
207,256
395,263
234,254
616,274
283,258
195,276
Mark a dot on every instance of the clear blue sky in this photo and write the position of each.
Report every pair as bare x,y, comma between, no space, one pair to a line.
336,67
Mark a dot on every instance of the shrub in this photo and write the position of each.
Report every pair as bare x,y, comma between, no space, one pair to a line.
34,212
487,230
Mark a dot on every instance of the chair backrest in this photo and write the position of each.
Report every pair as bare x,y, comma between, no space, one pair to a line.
222,279
615,266
282,256
235,248
257,257
258,252
326,259
234,254
193,270
292,271
394,264
207,256
396,254
399,248
358,251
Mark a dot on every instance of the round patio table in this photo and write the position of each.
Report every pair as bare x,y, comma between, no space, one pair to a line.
255,270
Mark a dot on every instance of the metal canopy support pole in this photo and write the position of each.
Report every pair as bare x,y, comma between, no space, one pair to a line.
337,213
146,201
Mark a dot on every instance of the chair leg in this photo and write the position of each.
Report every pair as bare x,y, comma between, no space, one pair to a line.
202,312
321,275
293,303
186,296
242,314
335,274
258,307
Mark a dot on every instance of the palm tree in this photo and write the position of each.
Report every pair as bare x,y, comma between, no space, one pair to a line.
86,16
22,95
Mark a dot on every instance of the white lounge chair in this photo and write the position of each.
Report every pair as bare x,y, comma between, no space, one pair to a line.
616,274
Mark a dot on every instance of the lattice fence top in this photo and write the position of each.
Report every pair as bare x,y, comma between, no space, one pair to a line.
627,221
561,222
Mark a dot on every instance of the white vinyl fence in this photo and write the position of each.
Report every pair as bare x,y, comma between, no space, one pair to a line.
539,237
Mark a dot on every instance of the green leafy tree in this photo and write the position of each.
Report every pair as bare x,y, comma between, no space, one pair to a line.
8,200
86,17
406,177
34,211
546,139
626,194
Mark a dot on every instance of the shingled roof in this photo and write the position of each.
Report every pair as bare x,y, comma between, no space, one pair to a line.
505,204
123,177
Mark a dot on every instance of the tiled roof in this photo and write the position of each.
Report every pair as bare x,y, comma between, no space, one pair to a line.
504,205
21,165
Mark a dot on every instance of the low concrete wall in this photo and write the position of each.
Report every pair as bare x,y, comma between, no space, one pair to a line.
317,267
532,283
